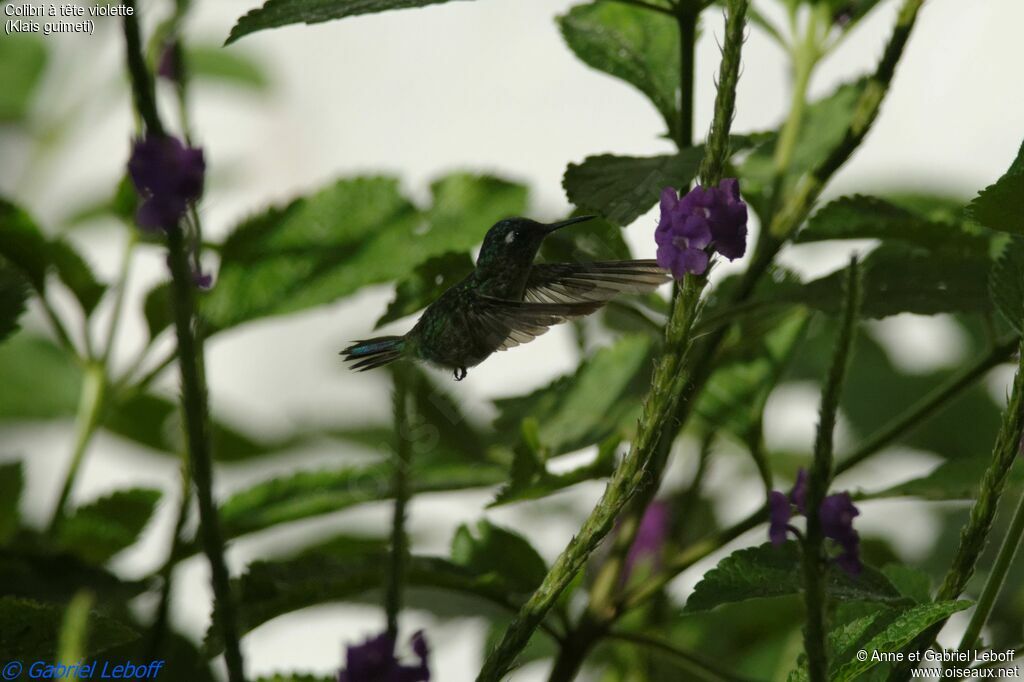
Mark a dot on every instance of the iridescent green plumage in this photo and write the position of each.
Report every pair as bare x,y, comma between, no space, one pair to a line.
507,300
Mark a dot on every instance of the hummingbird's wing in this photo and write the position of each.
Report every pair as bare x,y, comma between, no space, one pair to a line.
501,324
592,282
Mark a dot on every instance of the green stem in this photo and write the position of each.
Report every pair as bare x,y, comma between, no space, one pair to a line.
820,477
158,630
996,578
142,82
58,327
400,485
121,286
687,23
200,462
648,6
90,407
694,664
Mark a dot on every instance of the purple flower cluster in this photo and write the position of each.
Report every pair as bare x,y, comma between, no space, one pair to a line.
836,514
374,661
650,537
706,216
168,176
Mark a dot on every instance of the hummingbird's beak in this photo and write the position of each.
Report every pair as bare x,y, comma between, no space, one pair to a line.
571,221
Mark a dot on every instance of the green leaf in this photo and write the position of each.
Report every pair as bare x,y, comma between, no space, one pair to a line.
350,235
13,297
27,569
1001,206
157,309
1006,284
312,493
598,400
769,571
501,552
275,13
593,240
270,589
427,281
231,67
530,479
895,635
440,431
22,63
898,279
40,380
866,217
911,583
623,188
633,44
101,529
32,252
12,481
954,479
29,630
735,396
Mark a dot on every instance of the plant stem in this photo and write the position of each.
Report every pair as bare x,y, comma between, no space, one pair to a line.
697,665
122,285
400,485
996,578
648,6
90,407
820,477
142,83
159,628
687,22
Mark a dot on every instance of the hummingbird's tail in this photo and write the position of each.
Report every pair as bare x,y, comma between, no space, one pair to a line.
373,353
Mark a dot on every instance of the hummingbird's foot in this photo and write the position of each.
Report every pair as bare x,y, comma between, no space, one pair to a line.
460,373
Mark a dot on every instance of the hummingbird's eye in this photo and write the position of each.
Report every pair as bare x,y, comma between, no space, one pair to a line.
510,237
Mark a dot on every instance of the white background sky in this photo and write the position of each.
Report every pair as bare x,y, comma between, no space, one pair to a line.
484,86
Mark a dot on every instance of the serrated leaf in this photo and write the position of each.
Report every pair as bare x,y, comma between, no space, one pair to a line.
529,480
769,571
501,552
29,630
633,44
40,380
271,588
32,572
427,281
12,480
899,279
1000,206
586,407
25,246
623,188
1006,284
897,634
867,217
231,67
276,13
311,493
99,530
22,63
352,234
13,297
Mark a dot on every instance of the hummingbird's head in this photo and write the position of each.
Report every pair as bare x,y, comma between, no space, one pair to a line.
517,240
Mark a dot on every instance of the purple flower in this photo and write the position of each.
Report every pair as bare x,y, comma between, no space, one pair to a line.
374,661
202,280
168,175
798,495
714,216
650,537
778,517
837,512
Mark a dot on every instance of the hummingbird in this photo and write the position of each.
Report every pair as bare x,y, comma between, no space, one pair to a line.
507,300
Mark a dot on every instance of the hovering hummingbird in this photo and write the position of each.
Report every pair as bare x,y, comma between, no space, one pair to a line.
507,300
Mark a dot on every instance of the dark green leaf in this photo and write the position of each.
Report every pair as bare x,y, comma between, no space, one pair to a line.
311,493
530,479
899,279
440,431
13,297
623,188
501,552
866,217
99,530
427,281
593,240
157,309
769,571
598,400
34,254
1006,284
633,44
46,575
22,62
350,235
231,67
40,380
911,583
275,13
1001,206
894,636
29,630
12,480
